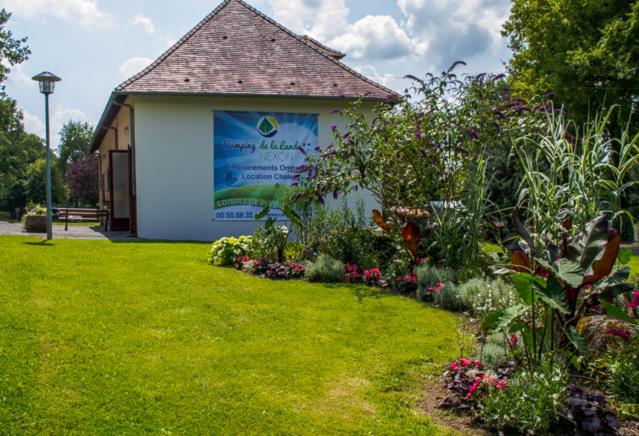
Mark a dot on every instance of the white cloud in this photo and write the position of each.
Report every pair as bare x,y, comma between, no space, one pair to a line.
33,124
84,13
18,76
374,37
371,37
144,22
134,66
321,19
445,31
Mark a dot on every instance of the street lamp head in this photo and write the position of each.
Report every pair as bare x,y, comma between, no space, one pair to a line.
47,82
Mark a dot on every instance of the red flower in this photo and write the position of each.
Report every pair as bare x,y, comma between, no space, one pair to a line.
513,340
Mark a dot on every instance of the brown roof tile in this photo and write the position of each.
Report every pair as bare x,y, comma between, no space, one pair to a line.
236,50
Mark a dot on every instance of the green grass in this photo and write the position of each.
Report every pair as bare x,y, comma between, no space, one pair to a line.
125,338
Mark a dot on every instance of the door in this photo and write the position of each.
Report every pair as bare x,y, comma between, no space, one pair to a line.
120,184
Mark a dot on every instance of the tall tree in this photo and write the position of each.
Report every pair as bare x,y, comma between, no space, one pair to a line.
75,141
585,51
18,149
12,50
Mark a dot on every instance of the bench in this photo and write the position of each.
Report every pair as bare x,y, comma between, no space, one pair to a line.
77,214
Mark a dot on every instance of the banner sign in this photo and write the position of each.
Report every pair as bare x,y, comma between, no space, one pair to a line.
256,155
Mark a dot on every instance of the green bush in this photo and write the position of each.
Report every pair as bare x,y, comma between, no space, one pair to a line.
530,404
428,276
225,251
494,352
622,370
448,297
270,242
481,296
325,269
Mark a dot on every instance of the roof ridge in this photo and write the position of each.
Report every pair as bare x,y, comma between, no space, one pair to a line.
174,47
299,38
324,46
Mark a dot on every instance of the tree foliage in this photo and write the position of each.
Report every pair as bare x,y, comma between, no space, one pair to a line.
75,141
82,179
586,51
13,51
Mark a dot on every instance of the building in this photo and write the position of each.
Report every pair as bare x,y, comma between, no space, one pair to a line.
192,146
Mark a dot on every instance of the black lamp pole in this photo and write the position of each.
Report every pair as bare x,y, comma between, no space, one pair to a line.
47,85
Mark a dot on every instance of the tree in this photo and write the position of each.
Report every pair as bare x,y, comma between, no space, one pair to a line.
34,183
585,51
13,51
17,148
75,142
82,178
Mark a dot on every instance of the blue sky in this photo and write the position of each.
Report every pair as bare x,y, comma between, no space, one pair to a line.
96,44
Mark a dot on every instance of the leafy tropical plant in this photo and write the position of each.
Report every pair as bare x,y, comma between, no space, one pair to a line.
559,283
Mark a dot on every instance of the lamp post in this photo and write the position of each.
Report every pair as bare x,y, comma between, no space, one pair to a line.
47,85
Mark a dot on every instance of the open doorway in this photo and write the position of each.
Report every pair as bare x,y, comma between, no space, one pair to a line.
120,190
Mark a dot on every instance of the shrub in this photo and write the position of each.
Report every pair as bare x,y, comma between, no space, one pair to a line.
269,243
495,351
429,278
481,296
225,251
532,402
326,269
446,296
622,373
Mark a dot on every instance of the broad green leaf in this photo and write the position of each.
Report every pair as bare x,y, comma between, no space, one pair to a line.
523,284
292,216
577,341
510,315
263,213
617,312
553,295
614,285
569,271
624,256
489,323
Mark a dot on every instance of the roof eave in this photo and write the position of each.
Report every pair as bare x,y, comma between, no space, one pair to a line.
108,115
391,98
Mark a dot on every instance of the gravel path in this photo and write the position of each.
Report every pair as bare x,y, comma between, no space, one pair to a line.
74,232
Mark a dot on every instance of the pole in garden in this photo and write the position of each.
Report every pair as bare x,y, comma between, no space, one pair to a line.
47,86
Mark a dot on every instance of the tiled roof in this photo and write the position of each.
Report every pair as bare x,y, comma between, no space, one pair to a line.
236,50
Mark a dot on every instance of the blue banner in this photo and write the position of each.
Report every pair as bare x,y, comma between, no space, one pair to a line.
256,155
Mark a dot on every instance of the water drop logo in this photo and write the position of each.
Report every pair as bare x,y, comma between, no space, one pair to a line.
268,126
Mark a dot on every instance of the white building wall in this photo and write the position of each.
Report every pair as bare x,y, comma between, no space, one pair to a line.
174,161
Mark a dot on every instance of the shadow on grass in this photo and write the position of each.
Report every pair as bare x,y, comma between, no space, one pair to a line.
43,243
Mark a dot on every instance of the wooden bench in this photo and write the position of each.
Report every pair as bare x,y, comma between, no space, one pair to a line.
77,214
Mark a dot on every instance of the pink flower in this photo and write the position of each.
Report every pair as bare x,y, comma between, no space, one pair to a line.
464,361
477,363
634,304
501,384
454,366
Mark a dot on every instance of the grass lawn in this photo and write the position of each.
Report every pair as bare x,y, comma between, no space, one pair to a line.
101,337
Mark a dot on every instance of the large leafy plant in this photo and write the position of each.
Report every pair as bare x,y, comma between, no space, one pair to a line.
560,282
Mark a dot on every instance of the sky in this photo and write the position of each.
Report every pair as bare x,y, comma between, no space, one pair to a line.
94,45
